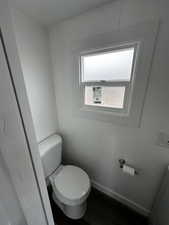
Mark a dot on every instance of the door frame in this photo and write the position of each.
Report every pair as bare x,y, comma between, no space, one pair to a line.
16,75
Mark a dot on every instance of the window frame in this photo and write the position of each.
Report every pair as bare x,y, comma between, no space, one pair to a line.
145,34
126,84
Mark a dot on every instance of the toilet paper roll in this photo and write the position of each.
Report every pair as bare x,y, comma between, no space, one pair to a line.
129,170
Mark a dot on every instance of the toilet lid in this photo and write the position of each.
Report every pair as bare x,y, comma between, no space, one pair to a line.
72,183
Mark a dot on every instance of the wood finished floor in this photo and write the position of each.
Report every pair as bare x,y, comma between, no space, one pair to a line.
101,210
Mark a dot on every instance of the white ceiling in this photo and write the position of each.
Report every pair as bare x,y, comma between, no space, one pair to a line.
51,11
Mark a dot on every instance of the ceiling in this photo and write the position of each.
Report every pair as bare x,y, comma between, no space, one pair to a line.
52,11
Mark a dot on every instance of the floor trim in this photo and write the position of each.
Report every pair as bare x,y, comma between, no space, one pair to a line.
138,208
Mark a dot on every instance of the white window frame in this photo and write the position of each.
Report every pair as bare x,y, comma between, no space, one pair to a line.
126,84
143,35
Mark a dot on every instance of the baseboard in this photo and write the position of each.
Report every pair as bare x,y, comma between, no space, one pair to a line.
136,207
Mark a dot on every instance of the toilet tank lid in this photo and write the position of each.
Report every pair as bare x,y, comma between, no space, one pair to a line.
49,143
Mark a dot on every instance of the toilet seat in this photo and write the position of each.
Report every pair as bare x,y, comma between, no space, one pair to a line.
71,185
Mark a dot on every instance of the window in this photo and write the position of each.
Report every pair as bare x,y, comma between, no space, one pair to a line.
106,77
111,73
111,97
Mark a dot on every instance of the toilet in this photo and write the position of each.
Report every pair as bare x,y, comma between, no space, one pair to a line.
70,184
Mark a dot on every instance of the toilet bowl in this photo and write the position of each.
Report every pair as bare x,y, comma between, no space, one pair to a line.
71,187
70,184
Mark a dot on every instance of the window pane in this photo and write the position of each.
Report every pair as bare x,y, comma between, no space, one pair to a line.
115,65
104,96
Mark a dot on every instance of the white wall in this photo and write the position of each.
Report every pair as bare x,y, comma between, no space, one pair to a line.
96,146
33,46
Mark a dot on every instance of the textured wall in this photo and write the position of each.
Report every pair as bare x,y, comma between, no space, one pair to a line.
95,145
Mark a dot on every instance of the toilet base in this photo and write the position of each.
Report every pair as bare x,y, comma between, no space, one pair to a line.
73,212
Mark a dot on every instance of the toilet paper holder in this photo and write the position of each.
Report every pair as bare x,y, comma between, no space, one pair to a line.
122,162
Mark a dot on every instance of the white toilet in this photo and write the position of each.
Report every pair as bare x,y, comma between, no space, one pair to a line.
70,184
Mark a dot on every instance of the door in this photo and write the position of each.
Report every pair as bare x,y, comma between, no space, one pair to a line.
160,212
10,210
21,202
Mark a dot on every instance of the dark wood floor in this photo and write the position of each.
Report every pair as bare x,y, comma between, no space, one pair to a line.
101,210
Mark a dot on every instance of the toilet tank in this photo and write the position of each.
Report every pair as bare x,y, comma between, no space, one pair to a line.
51,154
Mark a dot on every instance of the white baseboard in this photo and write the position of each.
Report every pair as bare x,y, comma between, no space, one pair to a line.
138,208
